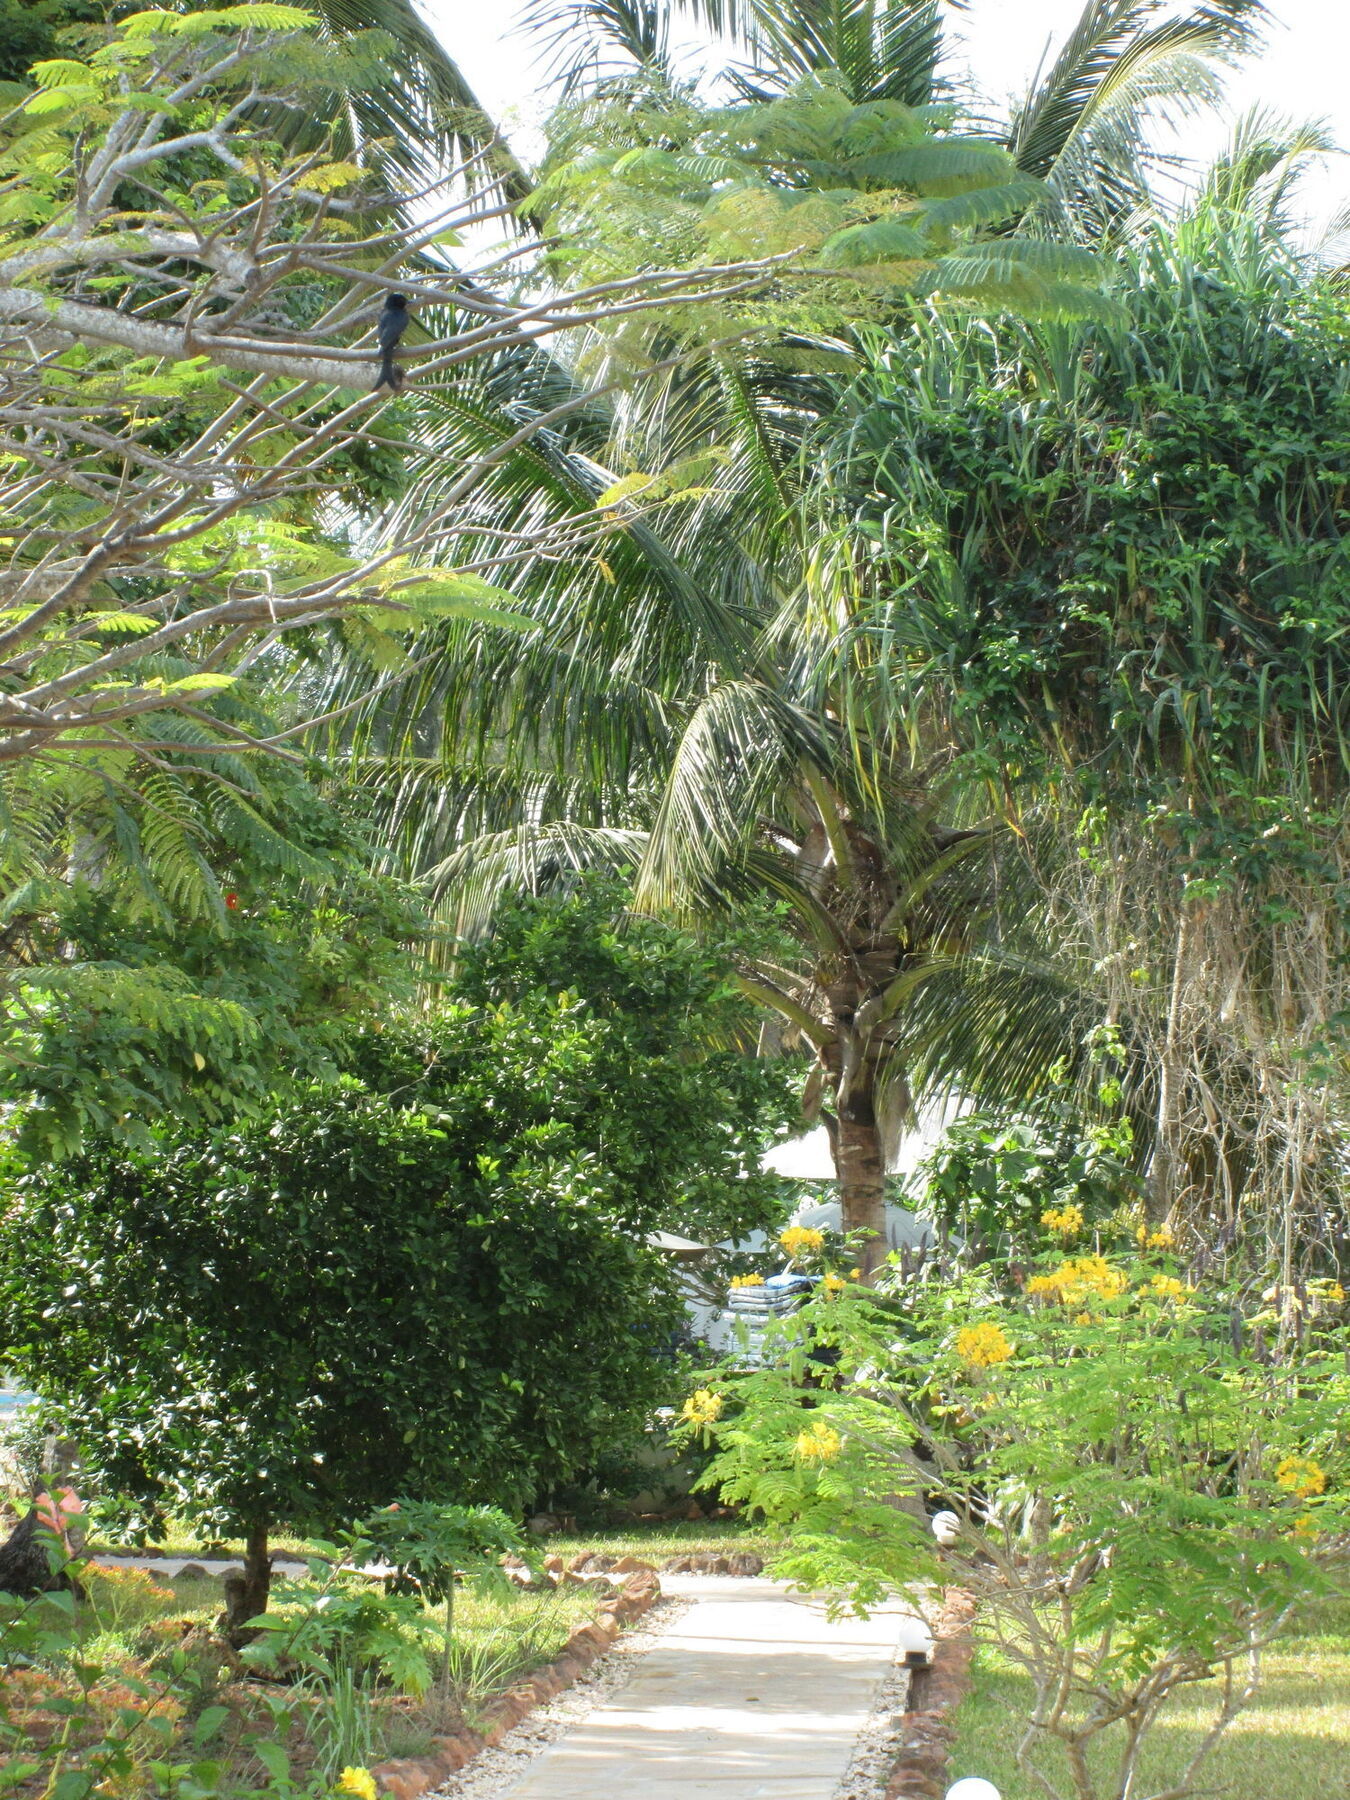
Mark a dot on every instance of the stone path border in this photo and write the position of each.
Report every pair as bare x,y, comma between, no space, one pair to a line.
935,1693
408,1777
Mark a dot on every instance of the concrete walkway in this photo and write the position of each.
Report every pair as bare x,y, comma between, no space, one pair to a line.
753,1695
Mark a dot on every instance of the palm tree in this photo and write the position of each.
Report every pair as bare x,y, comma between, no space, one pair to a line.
696,708
703,699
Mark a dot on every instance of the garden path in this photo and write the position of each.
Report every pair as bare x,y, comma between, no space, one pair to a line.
754,1694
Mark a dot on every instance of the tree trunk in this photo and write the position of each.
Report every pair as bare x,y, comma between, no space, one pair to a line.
25,1566
246,1594
861,1172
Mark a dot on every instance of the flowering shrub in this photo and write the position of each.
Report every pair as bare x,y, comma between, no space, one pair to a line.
818,1443
982,1345
1078,1279
702,1408
1064,1221
1155,1237
801,1241
1301,1476
1142,1497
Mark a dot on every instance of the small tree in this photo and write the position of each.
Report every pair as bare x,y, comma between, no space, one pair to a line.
432,1280
344,1301
1141,1495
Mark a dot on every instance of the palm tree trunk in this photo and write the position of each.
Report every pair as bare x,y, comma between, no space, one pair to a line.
861,1171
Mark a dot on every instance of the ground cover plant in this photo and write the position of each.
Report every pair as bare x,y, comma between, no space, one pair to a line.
125,1684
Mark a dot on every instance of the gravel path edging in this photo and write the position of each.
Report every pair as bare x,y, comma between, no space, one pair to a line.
408,1777
880,1739
935,1693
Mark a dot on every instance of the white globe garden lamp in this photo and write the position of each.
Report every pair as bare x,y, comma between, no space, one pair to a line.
946,1528
974,1787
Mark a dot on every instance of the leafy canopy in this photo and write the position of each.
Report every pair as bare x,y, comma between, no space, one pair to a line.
429,1277
856,203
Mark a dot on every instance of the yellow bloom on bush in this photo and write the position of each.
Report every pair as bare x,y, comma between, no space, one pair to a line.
740,1281
1160,1237
982,1345
702,1407
357,1781
834,1284
1305,1527
821,1443
1167,1287
1302,1477
1064,1221
1080,1278
801,1240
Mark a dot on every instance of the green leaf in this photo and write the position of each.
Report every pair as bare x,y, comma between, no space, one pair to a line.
272,1757
463,597
199,684
883,240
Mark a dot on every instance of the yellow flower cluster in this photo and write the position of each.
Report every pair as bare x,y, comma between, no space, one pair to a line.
801,1240
702,1407
1330,1293
1167,1287
821,1443
357,1781
1161,1237
982,1346
1064,1221
1078,1279
834,1284
1300,1476
739,1281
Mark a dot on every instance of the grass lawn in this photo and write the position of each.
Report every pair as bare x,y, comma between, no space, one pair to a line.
654,1543
1292,1743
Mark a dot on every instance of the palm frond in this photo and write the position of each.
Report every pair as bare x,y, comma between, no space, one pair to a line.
1109,49
423,110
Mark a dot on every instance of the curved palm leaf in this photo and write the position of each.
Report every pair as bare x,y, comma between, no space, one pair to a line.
425,112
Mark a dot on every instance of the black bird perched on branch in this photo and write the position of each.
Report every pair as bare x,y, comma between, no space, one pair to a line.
393,322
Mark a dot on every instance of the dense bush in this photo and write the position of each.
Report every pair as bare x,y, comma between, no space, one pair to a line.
428,1277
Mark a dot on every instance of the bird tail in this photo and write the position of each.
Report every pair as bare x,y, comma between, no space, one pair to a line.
391,376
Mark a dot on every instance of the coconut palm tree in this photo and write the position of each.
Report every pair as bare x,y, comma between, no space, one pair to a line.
701,699
695,706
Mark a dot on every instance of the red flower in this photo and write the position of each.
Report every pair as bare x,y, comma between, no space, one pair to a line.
232,901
